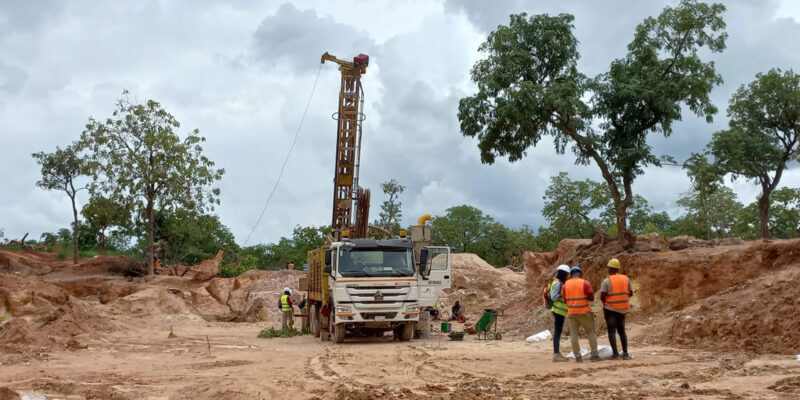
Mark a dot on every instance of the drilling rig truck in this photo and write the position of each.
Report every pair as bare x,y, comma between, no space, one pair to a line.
362,285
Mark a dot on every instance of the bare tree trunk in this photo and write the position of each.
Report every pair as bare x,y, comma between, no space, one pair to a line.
150,267
763,213
74,231
103,241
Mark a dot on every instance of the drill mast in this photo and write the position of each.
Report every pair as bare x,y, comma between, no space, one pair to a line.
350,202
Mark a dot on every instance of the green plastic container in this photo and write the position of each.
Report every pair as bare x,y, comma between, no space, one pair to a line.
445,327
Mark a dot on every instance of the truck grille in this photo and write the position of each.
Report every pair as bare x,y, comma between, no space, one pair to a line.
387,315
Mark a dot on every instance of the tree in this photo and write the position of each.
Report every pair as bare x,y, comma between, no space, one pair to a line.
295,249
390,209
189,238
60,170
710,214
706,181
144,161
460,227
103,213
571,206
764,134
529,86
785,213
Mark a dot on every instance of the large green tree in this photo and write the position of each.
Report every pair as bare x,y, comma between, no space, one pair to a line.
103,213
764,134
529,86
460,227
60,171
141,158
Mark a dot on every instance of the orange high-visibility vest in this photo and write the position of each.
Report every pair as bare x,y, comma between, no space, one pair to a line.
617,297
577,301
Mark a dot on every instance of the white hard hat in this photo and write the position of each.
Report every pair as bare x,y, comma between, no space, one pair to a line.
563,267
286,289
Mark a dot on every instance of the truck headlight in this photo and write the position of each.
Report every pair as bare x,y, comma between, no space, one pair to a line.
342,309
412,308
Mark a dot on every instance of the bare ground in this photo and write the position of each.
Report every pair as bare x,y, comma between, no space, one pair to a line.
146,364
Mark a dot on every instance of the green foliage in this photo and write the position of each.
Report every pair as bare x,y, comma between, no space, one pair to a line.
60,170
460,227
529,86
295,249
143,160
502,246
391,212
189,238
764,134
284,333
570,206
575,208
712,214
102,213
260,255
785,213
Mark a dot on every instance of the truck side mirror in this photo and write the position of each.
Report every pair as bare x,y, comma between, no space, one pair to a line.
327,269
423,262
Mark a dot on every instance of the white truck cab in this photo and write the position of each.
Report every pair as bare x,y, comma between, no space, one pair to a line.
380,285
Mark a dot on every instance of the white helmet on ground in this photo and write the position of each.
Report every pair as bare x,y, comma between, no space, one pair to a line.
563,267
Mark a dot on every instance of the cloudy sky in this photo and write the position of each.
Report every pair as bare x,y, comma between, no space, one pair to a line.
242,71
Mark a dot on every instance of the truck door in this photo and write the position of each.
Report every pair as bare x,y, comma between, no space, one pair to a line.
435,275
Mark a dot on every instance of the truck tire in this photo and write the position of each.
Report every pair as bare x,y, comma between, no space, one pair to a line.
315,319
337,331
407,332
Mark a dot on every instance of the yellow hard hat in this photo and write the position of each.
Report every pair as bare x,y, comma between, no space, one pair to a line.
613,263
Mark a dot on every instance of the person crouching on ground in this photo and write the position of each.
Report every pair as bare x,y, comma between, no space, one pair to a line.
456,311
614,293
577,294
559,309
285,305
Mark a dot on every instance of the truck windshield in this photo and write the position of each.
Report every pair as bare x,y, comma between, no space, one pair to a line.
355,262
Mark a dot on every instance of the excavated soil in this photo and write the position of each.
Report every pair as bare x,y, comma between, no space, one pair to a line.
711,320
731,295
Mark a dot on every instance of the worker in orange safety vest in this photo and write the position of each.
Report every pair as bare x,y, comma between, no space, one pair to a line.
578,294
615,292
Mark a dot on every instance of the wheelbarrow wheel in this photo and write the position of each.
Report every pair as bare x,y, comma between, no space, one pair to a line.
490,335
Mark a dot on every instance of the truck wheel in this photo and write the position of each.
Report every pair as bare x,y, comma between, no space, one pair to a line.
406,332
315,320
337,331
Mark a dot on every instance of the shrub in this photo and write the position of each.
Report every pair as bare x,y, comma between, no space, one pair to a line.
273,333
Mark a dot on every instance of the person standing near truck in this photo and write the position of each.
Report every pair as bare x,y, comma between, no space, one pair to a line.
559,309
578,294
285,305
615,291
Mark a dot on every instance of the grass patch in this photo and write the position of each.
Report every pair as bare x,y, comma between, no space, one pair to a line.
273,333
64,253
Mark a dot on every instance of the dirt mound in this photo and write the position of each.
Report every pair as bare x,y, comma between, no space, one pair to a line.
703,276
40,263
30,262
204,271
37,314
759,316
478,285
8,394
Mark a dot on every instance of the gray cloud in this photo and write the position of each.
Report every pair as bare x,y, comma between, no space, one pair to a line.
299,37
241,73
